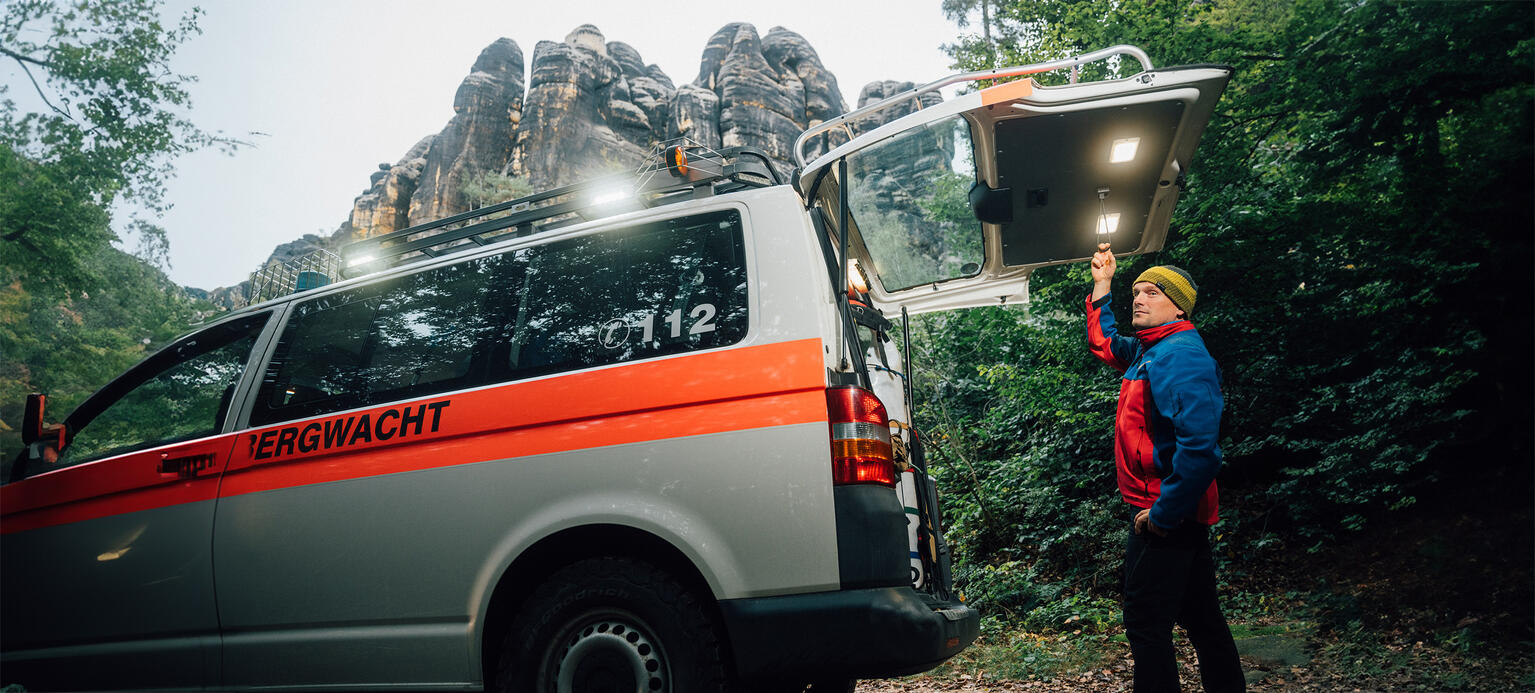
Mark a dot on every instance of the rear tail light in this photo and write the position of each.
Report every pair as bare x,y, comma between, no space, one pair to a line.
860,438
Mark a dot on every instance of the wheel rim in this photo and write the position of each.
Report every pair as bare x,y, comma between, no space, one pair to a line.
608,653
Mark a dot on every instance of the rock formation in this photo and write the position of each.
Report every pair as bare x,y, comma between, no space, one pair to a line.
385,205
876,91
769,89
478,138
582,118
592,107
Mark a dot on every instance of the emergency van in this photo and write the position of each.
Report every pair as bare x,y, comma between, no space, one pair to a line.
643,434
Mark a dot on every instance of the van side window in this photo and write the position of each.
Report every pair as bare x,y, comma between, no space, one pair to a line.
644,291
180,393
629,293
399,338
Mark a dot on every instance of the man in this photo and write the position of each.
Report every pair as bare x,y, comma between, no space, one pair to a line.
1165,451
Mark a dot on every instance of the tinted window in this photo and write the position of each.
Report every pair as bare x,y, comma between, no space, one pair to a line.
624,294
632,293
908,196
180,393
395,339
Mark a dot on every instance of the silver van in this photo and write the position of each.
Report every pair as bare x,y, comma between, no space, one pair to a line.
641,434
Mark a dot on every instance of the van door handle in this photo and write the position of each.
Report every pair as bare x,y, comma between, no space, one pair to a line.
186,466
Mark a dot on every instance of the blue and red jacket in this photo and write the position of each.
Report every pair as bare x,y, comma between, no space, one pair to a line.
1167,425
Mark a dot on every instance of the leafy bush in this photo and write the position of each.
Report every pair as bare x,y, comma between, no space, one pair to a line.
1358,224
489,187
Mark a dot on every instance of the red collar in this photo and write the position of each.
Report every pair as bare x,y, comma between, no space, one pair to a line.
1152,335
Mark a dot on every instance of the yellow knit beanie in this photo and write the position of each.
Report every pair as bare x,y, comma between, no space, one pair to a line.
1174,282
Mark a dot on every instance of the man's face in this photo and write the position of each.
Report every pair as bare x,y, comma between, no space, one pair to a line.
1150,307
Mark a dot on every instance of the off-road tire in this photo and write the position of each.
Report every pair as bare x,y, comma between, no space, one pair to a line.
612,624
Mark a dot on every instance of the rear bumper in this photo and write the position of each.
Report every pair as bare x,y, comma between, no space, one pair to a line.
865,633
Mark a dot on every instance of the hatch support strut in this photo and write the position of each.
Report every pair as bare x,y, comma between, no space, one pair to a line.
842,262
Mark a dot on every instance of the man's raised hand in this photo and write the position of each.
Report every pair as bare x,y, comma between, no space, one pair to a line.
1103,270
1103,263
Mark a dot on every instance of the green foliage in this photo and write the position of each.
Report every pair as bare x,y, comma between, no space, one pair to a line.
1358,222
1005,652
947,201
109,122
74,310
70,348
963,12
910,197
47,222
490,187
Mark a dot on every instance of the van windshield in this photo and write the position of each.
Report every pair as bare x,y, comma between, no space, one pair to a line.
909,198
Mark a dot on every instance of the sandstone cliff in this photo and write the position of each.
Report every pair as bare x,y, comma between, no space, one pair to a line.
592,107
478,138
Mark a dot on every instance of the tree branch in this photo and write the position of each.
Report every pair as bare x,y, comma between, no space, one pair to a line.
25,58
22,60
1243,121
1261,138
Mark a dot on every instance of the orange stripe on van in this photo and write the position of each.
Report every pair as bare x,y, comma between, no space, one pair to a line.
713,392
484,446
92,506
111,486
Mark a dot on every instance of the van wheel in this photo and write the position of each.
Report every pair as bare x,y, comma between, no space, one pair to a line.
612,624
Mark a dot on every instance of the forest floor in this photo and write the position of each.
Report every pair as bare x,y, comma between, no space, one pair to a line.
1438,602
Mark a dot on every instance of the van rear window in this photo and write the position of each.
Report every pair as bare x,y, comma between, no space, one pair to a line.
630,293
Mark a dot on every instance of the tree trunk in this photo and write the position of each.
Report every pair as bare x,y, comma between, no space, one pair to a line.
991,47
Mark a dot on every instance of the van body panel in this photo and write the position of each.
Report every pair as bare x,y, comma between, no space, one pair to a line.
405,655
477,476
111,559
357,538
362,547
465,522
722,390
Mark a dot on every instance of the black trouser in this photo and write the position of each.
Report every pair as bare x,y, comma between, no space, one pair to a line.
1172,580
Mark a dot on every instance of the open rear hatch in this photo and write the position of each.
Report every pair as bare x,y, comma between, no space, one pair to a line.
955,204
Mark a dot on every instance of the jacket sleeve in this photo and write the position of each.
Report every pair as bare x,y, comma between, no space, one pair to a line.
1186,390
1103,339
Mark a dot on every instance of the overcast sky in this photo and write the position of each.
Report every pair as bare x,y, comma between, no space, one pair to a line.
338,87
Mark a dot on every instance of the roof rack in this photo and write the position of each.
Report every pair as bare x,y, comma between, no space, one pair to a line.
692,171
308,271
846,120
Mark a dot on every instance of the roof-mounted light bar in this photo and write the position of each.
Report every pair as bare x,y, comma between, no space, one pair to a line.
693,171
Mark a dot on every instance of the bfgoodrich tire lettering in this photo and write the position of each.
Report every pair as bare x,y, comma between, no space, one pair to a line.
612,624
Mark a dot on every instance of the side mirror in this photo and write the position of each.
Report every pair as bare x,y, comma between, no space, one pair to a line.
45,440
32,418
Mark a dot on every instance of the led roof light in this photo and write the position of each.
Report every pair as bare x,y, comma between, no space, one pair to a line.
1124,150
1108,223
360,260
612,195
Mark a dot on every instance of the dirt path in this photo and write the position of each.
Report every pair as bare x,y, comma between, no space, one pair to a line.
1098,683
